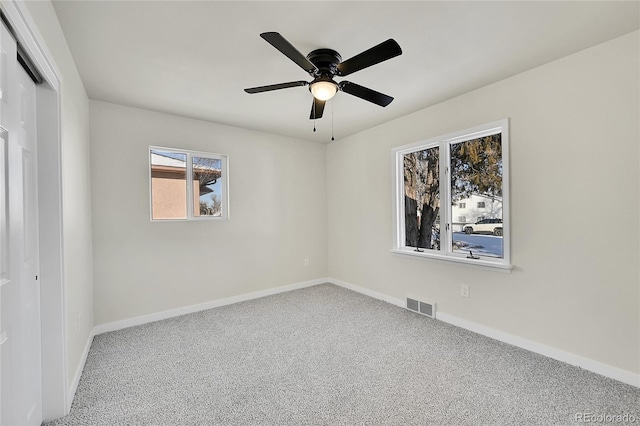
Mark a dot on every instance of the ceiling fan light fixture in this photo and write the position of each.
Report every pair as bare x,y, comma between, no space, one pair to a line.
323,65
323,90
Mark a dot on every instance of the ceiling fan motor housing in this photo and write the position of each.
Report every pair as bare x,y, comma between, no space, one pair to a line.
326,60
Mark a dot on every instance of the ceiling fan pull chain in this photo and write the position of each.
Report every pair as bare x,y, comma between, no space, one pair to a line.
332,138
314,115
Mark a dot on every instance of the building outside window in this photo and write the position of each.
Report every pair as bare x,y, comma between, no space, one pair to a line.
187,185
436,179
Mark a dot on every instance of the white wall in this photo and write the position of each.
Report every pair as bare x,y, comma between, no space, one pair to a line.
574,147
277,215
76,191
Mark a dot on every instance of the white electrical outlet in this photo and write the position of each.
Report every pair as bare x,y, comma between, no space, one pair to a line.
306,262
464,290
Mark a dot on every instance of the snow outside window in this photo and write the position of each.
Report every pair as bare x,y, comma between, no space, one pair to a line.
438,178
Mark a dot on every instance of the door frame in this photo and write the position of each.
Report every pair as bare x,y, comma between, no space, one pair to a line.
55,397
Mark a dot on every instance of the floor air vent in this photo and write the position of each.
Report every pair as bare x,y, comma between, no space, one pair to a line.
424,308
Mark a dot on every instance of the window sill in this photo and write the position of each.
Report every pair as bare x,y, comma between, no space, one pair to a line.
485,264
192,219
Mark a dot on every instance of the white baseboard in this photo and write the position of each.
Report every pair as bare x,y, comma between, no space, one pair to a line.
367,292
76,377
558,354
597,367
130,322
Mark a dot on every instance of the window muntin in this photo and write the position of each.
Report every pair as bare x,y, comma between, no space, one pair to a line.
187,185
472,172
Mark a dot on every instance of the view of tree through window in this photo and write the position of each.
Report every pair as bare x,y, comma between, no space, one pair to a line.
422,198
450,195
476,174
207,172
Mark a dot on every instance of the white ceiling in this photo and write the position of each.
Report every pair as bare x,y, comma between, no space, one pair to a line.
194,59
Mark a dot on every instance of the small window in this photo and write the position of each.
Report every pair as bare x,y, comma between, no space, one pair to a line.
187,185
433,177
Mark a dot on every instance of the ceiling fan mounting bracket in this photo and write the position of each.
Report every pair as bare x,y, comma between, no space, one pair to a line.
326,62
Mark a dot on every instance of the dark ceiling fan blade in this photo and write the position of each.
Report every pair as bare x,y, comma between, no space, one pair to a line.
365,93
380,53
280,43
261,89
317,108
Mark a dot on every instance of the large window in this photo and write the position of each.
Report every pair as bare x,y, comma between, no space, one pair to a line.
437,180
187,185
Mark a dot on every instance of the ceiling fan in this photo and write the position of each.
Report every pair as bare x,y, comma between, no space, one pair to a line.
325,64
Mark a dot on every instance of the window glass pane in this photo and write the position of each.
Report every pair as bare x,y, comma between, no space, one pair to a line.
422,199
168,185
207,186
476,181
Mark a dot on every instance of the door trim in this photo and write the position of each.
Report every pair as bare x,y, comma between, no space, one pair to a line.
55,398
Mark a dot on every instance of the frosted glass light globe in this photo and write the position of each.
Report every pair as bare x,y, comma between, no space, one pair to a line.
323,90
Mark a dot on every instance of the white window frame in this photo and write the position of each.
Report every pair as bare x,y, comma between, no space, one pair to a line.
444,143
224,160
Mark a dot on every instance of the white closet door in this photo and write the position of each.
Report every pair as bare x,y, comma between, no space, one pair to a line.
20,355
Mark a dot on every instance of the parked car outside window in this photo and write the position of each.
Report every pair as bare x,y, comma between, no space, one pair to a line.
485,226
